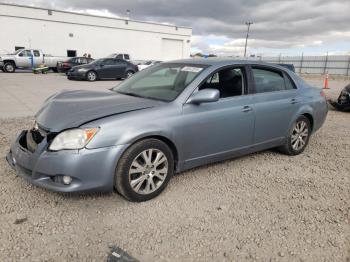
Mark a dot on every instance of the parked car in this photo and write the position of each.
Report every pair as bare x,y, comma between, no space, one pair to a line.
64,66
343,101
105,68
147,64
119,56
288,66
169,118
22,59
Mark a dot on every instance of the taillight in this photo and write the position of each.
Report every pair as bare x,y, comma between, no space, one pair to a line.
66,65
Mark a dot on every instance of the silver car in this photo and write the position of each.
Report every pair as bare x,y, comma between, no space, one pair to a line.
166,119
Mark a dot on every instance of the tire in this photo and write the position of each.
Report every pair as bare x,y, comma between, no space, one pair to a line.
9,67
91,76
135,183
54,69
129,73
294,145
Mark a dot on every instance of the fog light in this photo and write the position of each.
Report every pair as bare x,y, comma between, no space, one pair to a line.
67,180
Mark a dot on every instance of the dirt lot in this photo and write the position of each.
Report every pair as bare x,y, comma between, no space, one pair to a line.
264,207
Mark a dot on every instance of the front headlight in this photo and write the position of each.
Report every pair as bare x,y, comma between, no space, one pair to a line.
73,139
82,69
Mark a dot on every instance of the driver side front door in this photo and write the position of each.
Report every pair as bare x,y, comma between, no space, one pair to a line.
218,130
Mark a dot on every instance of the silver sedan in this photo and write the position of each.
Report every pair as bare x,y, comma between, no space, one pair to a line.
165,119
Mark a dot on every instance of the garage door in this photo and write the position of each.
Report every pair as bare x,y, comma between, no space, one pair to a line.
171,49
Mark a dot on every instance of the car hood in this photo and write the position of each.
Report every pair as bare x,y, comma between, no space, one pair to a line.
69,109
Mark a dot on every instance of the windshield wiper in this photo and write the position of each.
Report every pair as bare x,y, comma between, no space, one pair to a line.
130,94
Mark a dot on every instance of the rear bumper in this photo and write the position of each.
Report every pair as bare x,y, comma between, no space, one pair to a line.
92,170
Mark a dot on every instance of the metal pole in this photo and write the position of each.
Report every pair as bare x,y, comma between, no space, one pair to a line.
301,62
325,64
246,39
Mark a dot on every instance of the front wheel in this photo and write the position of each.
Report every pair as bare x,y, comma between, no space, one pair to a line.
298,137
91,76
144,170
9,67
129,73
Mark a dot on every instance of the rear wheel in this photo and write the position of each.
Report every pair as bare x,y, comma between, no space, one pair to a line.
9,67
298,137
129,73
144,170
91,76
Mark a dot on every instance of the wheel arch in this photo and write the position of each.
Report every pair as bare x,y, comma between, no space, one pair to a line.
9,61
311,119
165,140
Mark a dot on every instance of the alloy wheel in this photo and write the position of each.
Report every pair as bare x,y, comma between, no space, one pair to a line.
300,135
148,171
9,68
91,76
129,74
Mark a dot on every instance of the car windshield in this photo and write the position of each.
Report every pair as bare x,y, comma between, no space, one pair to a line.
162,82
18,51
97,61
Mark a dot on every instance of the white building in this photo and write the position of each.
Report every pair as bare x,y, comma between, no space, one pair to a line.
65,33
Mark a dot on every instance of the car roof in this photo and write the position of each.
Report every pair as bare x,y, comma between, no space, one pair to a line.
223,62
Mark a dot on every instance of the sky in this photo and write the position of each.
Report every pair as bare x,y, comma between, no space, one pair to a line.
280,27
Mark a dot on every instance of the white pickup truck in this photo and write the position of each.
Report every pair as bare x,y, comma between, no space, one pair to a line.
28,59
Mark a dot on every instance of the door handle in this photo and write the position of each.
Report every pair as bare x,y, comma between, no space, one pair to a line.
247,109
294,101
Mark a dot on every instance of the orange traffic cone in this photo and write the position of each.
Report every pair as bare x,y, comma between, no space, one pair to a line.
325,86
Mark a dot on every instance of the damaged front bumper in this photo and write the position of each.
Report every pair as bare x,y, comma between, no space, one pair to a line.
343,101
91,170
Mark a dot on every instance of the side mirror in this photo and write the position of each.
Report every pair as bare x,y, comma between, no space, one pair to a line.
204,96
20,54
102,65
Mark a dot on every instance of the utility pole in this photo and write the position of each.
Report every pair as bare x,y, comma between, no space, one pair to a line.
246,39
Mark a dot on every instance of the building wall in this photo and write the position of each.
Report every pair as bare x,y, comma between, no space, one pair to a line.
61,31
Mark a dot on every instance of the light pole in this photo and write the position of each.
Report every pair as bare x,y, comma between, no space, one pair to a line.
246,39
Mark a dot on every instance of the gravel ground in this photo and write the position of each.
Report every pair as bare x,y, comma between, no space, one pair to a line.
264,207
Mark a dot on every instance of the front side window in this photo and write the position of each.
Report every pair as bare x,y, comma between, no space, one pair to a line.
268,80
108,62
229,82
162,82
26,53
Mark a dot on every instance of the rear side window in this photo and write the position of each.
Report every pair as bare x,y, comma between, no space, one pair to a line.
268,80
126,56
289,83
36,53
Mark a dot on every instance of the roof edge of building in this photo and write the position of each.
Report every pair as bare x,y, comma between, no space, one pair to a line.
90,15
